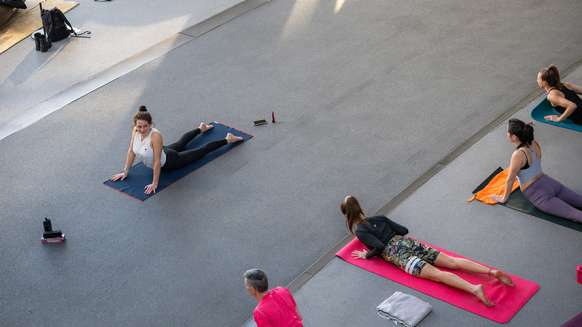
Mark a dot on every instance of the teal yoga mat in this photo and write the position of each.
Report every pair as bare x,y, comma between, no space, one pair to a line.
544,109
517,201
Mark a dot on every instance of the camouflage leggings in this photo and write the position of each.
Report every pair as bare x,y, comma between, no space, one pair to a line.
409,254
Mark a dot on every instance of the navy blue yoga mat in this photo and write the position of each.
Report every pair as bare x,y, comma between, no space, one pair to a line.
544,109
139,175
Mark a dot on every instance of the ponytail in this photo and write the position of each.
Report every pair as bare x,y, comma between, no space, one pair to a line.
524,132
551,75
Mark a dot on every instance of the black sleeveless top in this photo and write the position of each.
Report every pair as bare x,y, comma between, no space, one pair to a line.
576,116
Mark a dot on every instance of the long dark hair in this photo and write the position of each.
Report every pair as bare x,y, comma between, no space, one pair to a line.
142,114
551,75
350,207
524,132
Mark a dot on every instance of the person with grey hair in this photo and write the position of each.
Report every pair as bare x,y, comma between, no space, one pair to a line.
276,307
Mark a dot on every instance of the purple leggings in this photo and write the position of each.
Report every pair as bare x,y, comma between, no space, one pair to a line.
548,195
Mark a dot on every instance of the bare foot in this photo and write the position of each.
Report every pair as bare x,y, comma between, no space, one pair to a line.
480,294
230,138
204,127
502,277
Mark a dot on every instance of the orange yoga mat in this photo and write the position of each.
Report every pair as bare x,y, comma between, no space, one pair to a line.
494,185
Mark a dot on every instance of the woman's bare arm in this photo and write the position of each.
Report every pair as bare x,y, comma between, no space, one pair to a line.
157,144
558,100
130,155
517,161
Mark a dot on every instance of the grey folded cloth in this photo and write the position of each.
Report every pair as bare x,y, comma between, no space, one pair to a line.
404,309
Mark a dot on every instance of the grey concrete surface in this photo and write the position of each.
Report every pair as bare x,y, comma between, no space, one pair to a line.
12,122
344,295
24,118
120,30
368,98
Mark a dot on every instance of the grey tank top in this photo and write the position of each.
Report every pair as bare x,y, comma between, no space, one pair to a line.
535,168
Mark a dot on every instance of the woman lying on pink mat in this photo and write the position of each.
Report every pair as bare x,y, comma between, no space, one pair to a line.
386,239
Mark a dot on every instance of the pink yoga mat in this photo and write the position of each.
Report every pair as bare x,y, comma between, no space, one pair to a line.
509,300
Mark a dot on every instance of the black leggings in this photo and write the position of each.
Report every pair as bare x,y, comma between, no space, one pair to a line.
177,157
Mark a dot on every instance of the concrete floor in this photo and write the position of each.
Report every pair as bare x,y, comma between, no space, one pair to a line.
368,99
344,295
120,30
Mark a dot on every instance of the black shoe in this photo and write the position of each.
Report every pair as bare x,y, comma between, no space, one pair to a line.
37,37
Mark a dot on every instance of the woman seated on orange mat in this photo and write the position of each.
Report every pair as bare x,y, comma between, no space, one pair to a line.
147,145
386,239
544,192
563,96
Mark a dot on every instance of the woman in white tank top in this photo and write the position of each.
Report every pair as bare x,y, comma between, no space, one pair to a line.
146,144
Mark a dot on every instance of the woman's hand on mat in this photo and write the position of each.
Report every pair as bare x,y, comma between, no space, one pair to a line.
119,177
150,188
360,254
555,118
498,199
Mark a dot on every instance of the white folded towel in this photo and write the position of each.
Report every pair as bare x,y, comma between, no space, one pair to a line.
404,309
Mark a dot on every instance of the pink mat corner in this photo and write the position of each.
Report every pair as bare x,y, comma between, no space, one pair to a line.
509,300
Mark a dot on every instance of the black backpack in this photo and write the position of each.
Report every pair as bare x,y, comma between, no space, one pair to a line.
56,26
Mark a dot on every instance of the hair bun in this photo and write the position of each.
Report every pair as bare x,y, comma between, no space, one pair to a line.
143,109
